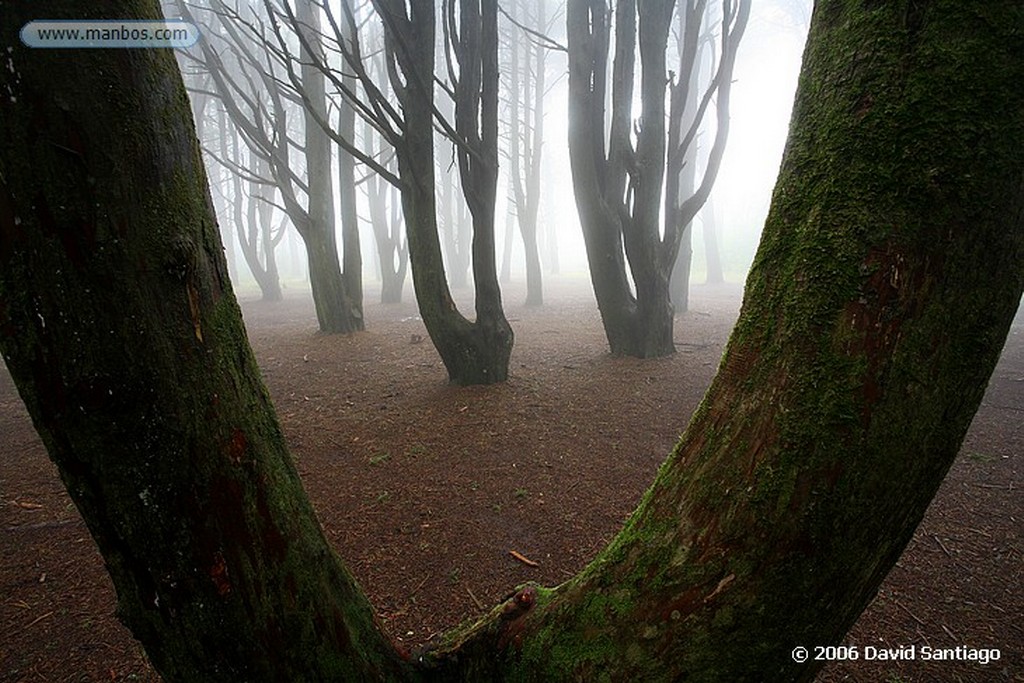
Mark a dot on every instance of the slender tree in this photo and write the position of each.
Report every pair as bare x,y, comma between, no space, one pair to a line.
687,191
383,198
891,265
712,256
526,90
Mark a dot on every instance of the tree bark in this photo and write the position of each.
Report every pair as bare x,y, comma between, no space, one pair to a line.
118,323
889,270
891,265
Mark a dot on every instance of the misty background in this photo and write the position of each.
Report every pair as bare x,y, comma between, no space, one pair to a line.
764,83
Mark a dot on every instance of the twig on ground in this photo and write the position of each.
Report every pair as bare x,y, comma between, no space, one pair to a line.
417,588
992,486
479,604
522,558
907,610
941,546
38,619
43,525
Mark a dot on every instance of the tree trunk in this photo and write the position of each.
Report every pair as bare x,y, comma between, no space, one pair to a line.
682,155
134,365
473,352
526,138
507,244
551,242
387,237
679,281
252,225
534,282
352,257
889,269
222,209
619,186
711,252
636,325
392,255
339,306
891,265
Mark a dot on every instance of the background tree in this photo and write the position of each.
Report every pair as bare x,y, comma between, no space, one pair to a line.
525,90
619,185
712,255
383,198
302,27
250,80
891,265
251,214
684,195
201,100
245,217
474,352
388,223
454,221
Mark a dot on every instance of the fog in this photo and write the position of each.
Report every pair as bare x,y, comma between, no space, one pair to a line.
764,83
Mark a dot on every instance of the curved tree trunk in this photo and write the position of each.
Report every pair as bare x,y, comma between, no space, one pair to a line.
889,270
138,376
891,265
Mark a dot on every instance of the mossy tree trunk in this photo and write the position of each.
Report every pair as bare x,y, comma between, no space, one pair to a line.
118,323
889,270
891,265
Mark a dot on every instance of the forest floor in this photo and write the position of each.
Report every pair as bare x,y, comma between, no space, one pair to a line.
427,489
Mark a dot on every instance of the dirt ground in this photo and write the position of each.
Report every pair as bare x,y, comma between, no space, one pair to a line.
426,488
